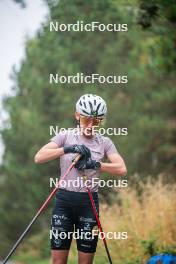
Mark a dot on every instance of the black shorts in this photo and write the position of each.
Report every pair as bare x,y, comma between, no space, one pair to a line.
73,213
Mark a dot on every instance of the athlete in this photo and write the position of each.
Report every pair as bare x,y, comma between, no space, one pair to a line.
73,211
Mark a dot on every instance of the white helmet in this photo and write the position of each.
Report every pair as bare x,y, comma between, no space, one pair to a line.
91,105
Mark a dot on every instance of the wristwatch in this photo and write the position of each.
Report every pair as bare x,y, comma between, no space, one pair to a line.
97,165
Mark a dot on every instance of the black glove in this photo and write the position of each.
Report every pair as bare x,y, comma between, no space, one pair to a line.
89,164
80,149
81,163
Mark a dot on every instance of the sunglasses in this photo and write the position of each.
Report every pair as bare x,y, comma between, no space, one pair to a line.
85,120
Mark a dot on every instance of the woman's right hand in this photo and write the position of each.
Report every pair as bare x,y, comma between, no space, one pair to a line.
51,151
80,149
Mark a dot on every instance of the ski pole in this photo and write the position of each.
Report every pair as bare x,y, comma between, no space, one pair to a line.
45,204
98,220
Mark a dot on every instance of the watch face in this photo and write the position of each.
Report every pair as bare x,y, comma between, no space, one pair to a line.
98,165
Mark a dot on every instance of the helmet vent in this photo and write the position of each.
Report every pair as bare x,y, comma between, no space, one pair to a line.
91,106
98,107
85,112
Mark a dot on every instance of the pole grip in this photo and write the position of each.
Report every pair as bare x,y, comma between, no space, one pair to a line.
76,158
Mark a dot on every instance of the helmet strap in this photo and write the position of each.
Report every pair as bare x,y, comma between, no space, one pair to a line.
78,122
